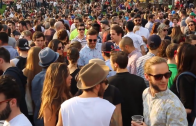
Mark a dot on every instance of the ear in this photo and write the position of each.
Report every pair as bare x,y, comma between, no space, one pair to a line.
13,102
115,65
147,77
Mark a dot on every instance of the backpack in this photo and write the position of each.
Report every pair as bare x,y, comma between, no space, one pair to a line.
21,63
193,113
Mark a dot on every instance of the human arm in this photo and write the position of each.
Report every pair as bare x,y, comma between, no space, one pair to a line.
60,122
142,50
115,119
118,109
49,117
136,124
144,39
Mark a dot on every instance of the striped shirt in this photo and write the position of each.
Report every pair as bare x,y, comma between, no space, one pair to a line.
82,41
140,65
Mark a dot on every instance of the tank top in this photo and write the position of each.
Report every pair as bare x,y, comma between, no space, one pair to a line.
86,112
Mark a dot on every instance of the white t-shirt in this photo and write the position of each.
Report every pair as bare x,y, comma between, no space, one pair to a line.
54,4
93,111
19,120
18,6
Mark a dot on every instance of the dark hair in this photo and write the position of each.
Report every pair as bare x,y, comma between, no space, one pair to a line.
118,30
80,25
38,28
120,58
154,28
96,27
62,35
67,27
151,16
53,44
92,32
183,12
4,37
4,54
79,19
10,88
130,25
166,22
76,44
162,48
170,50
52,22
38,34
1,27
23,23
28,22
73,54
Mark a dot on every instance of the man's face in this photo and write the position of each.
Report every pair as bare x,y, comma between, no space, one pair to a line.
81,30
11,26
160,16
114,36
170,17
76,21
39,42
16,37
89,24
137,21
20,27
192,17
124,49
91,41
153,19
5,109
160,84
175,21
103,26
113,65
193,42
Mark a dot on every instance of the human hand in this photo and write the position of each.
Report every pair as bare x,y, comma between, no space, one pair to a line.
136,124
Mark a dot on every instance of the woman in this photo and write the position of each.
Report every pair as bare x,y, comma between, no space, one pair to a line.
177,35
154,28
72,57
55,92
64,38
162,48
185,59
175,21
191,28
32,68
163,31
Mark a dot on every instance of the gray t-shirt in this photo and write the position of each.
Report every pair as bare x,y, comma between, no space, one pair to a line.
183,23
12,42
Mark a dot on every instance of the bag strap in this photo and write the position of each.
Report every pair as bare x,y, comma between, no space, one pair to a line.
184,73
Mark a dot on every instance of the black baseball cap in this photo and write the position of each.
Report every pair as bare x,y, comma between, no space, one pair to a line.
23,44
154,41
107,47
106,22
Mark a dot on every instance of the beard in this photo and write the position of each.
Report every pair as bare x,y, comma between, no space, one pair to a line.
155,87
5,113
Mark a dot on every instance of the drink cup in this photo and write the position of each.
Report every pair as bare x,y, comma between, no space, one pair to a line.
138,119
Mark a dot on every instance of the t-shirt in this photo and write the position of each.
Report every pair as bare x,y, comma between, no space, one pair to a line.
19,120
173,69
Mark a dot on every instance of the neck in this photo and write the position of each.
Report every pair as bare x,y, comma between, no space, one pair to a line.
106,27
23,54
171,61
162,36
88,94
119,70
72,65
6,66
154,51
117,42
81,36
106,58
13,114
153,91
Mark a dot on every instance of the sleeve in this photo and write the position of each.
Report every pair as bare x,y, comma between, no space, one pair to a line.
182,24
117,97
176,116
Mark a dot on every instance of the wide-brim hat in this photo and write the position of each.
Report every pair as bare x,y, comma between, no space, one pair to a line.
91,75
47,56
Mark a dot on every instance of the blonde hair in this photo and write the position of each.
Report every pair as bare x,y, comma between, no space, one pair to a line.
153,61
55,89
161,27
27,33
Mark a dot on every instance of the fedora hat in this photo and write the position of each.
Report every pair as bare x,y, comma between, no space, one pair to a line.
91,75
47,56
98,61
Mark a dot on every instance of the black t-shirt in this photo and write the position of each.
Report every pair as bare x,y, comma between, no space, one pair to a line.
74,88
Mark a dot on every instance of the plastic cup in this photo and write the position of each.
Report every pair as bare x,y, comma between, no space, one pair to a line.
138,119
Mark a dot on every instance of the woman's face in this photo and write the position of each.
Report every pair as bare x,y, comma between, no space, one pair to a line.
175,21
165,31
60,49
191,26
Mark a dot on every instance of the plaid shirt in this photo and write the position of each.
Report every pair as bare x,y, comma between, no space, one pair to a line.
140,65
82,41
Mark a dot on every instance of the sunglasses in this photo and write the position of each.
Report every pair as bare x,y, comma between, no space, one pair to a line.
92,40
159,77
59,48
165,29
81,29
6,100
191,24
137,20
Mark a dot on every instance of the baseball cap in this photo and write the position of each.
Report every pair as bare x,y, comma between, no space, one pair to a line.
23,44
154,41
104,22
173,12
192,14
107,47
16,33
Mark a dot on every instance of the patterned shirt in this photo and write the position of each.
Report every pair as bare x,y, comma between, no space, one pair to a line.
112,72
82,41
164,109
140,65
13,52
87,54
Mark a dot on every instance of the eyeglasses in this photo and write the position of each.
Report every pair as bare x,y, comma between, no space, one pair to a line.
59,48
165,29
6,100
81,29
92,40
159,77
191,24
137,20
89,24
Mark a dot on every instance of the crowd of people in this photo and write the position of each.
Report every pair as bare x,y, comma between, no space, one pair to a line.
71,63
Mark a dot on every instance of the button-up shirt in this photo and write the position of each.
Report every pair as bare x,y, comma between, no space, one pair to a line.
112,72
140,65
87,54
164,109
137,40
149,26
82,41
133,57
13,52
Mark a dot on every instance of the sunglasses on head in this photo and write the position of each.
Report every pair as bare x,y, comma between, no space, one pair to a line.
137,20
92,40
191,24
59,48
81,29
165,29
159,77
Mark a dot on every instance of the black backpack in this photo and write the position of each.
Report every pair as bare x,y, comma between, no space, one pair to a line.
21,63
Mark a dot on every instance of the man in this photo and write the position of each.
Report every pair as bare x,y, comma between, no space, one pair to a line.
116,33
89,24
106,49
10,97
170,52
16,73
192,16
161,106
139,30
38,22
137,40
4,43
46,57
81,36
49,33
183,18
27,35
39,39
126,45
170,17
105,29
130,86
58,26
150,23
22,48
88,103
153,43
160,18
76,21
22,26
29,26
91,50
65,19
11,25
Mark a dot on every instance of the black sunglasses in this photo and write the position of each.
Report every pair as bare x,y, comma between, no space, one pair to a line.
165,29
159,77
92,40
137,20
191,24
59,48
81,29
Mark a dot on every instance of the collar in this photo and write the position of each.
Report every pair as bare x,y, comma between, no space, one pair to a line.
133,52
82,38
150,54
107,61
172,65
159,94
94,48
